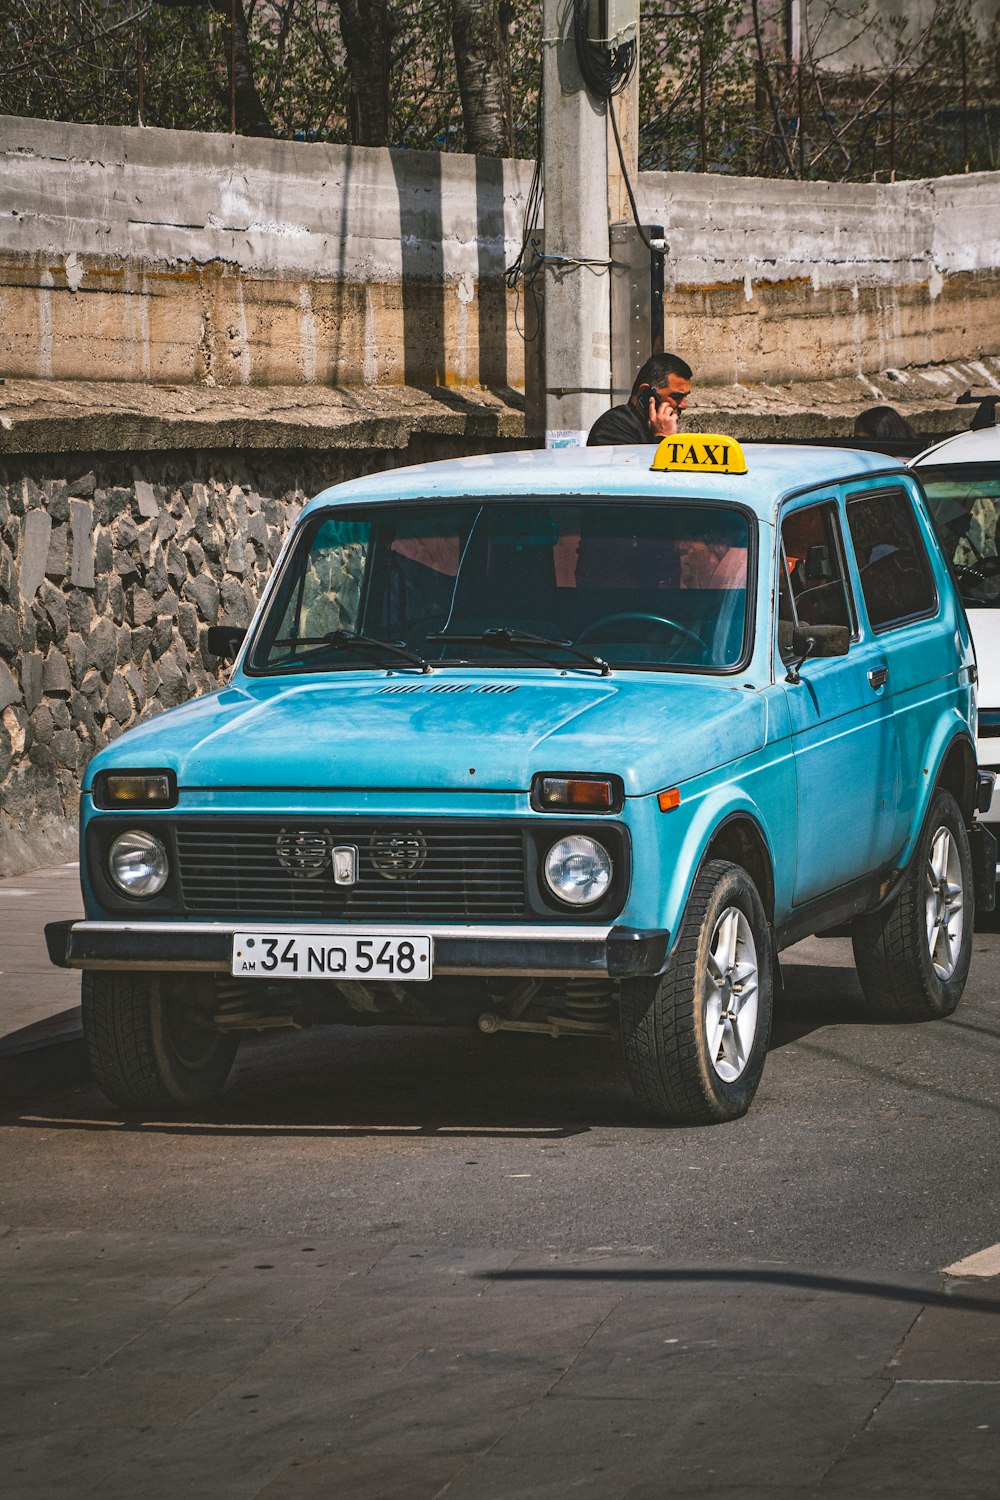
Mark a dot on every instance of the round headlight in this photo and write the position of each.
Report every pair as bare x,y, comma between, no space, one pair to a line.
138,863
578,870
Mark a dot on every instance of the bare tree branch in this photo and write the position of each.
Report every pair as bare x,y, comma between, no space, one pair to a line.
769,87
90,40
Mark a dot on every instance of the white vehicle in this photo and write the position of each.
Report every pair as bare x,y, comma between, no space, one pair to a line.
962,479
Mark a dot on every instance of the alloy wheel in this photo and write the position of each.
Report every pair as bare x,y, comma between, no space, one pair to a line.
945,903
731,994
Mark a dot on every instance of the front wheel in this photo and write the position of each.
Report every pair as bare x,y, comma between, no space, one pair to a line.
695,1037
148,1044
913,956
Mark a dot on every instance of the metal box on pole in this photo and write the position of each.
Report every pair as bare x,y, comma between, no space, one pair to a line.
636,302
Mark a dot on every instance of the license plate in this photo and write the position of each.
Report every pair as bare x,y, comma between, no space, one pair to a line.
332,955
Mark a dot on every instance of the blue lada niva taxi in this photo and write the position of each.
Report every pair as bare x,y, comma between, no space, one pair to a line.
567,742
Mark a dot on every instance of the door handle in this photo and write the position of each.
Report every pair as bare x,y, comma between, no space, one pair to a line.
878,676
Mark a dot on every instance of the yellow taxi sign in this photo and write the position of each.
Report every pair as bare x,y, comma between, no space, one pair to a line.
701,453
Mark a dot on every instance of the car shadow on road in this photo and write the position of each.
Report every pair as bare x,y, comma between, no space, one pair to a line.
405,1082
412,1083
813,996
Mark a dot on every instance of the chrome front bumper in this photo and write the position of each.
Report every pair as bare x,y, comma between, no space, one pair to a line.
556,952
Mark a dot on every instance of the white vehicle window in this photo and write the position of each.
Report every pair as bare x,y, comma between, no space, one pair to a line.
964,501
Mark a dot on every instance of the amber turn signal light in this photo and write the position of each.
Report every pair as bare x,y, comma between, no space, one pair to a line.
669,800
136,789
593,794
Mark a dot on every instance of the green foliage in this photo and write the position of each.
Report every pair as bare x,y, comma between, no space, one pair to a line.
67,60
717,89
300,67
427,112
695,83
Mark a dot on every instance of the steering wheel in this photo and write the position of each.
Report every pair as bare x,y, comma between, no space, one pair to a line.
650,619
980,571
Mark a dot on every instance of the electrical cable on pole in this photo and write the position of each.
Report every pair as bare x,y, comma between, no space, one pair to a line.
606,63
608,66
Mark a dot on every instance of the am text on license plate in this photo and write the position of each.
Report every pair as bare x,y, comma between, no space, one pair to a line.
336,955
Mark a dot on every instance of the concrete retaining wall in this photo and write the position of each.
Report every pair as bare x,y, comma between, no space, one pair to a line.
163,255
782,281
167,256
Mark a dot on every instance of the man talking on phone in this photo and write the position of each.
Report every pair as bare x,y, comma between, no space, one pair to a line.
658,397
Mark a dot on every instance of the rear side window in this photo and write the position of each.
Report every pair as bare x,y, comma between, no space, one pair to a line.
896,577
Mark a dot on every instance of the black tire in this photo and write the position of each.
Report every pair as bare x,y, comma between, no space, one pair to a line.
674,1069
145,1046
892,947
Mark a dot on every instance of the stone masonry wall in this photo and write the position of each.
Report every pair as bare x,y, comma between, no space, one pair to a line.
109,576
111,569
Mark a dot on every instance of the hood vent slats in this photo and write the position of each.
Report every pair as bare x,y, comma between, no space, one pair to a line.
448,687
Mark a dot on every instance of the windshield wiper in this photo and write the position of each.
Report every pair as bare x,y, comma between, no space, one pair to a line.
341,640
503,635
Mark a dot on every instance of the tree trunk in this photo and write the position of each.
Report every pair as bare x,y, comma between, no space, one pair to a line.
482,60
367,29
251,116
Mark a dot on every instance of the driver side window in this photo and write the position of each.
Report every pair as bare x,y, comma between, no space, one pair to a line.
812,588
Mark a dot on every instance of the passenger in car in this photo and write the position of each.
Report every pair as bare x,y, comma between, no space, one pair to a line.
711,564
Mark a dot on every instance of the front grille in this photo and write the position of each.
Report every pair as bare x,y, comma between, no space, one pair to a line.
447,870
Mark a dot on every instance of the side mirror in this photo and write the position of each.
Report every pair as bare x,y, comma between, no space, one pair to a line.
830,640
816,640
225,641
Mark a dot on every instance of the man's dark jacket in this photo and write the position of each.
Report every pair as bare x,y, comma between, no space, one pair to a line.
622,424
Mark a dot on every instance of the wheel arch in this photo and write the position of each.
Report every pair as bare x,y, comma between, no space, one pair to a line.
949,763
740,840
957,774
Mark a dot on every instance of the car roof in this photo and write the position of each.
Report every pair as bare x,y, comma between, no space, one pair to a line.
981,446
773,470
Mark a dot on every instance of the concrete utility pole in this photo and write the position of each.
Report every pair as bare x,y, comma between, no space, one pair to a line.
577,279
626,108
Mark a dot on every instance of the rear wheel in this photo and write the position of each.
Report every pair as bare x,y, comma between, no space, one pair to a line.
695,1037
147,1042
913,956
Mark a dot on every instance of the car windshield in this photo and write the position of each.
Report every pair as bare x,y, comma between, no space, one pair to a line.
630,583
965,504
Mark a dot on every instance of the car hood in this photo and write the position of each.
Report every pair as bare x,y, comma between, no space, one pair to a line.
447,732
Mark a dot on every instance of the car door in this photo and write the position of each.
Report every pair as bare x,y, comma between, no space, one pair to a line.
903,615
843,734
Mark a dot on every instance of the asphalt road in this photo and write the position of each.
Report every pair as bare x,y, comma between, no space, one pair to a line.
794,1257
866,1142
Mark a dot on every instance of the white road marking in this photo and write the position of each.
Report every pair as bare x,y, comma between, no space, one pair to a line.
983,1263
16,890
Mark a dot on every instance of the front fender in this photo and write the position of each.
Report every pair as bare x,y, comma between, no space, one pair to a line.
675,844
